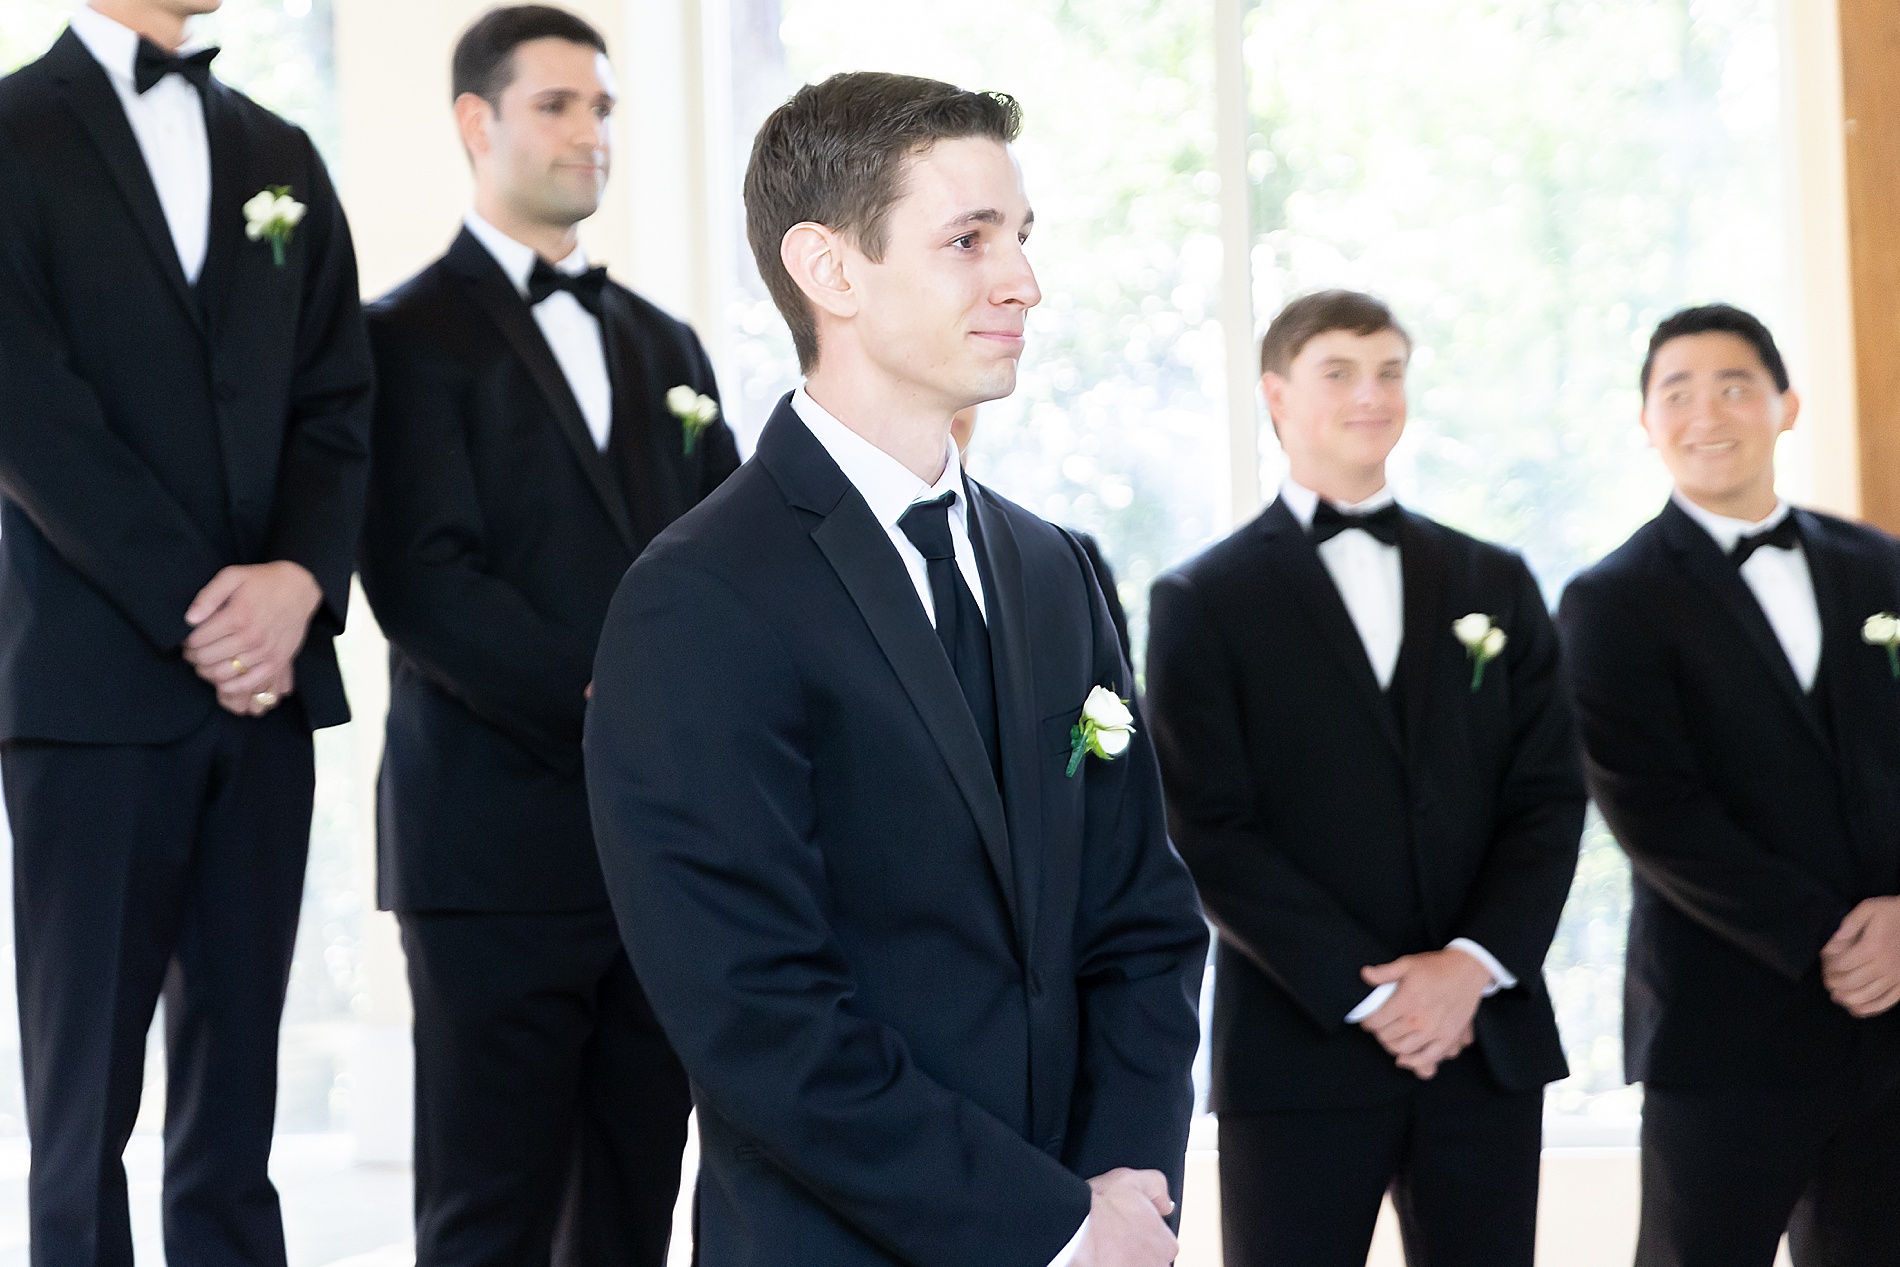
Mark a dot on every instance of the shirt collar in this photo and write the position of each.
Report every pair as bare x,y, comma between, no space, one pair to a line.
1725,530
517,258
886,484
1303,501
113,45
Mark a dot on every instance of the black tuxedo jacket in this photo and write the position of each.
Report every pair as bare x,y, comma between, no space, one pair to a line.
1756,816
153,432
916,1012
1331,826
495,536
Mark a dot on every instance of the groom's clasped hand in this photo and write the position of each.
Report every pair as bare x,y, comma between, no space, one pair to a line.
1127,1226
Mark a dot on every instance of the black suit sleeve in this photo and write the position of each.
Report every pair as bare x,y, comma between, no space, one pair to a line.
1141,947
1105,577
1644,770
96,500
702,792
325,467
1264,905
422,559
721,446
1517,897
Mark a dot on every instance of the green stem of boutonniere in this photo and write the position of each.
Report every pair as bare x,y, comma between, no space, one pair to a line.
1893,660
1078,747
277,249
692,434
1477,673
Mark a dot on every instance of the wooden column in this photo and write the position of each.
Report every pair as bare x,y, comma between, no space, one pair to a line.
1870,69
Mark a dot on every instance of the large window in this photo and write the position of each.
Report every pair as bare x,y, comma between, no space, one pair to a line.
1532,184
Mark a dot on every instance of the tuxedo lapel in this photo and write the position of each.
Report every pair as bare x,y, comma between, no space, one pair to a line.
231,169
1006,606
655,489
497,297
1424,568
1298,563
89,94
1704,561
859,551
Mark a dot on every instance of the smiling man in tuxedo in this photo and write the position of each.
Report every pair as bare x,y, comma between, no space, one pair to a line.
184,417
1372,772
931,968
1742,731
526,452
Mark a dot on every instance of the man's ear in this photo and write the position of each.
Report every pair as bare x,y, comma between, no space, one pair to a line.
1790,409
473,115
814,255
1273,391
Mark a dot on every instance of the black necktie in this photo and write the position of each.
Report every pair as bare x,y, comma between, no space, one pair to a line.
154,63
960,627
1785,535
1329,521
586,287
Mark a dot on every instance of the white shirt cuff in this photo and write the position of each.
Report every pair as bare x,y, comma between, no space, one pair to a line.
1372,1002
1069,1251
1501,978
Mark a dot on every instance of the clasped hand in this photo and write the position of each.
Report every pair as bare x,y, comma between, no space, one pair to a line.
1126,1226
1428,1019
1860,965
248,624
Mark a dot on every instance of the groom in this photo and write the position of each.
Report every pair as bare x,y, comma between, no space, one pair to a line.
931,970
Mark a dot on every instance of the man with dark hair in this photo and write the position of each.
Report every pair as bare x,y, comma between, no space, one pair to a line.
885,853
184,418
537,425
1735,670
1372,773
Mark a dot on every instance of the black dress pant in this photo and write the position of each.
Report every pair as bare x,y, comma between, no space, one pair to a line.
139,869
550,1109
1726,1170
1459,1155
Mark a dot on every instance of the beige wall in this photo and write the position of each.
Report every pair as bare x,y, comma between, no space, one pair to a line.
403,175
1824,453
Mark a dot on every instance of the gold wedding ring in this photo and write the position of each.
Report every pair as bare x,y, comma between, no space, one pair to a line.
265,699
237,664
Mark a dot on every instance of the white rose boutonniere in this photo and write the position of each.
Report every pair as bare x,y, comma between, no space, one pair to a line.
695,411
1483,641
272,215
1103,729
1883,630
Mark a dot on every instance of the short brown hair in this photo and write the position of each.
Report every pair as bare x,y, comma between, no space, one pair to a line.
1310,316
484,60
834,155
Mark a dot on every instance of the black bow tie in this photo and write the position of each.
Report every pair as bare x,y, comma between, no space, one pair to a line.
1785,535
546,279
1329,521
154,63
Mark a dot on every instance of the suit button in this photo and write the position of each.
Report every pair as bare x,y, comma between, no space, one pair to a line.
1035,984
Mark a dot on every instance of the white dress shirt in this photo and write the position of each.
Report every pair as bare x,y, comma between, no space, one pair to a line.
1780,581
572,332
168,121
890,488
1371,584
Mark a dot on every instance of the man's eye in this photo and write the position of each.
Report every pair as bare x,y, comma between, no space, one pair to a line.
966,242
